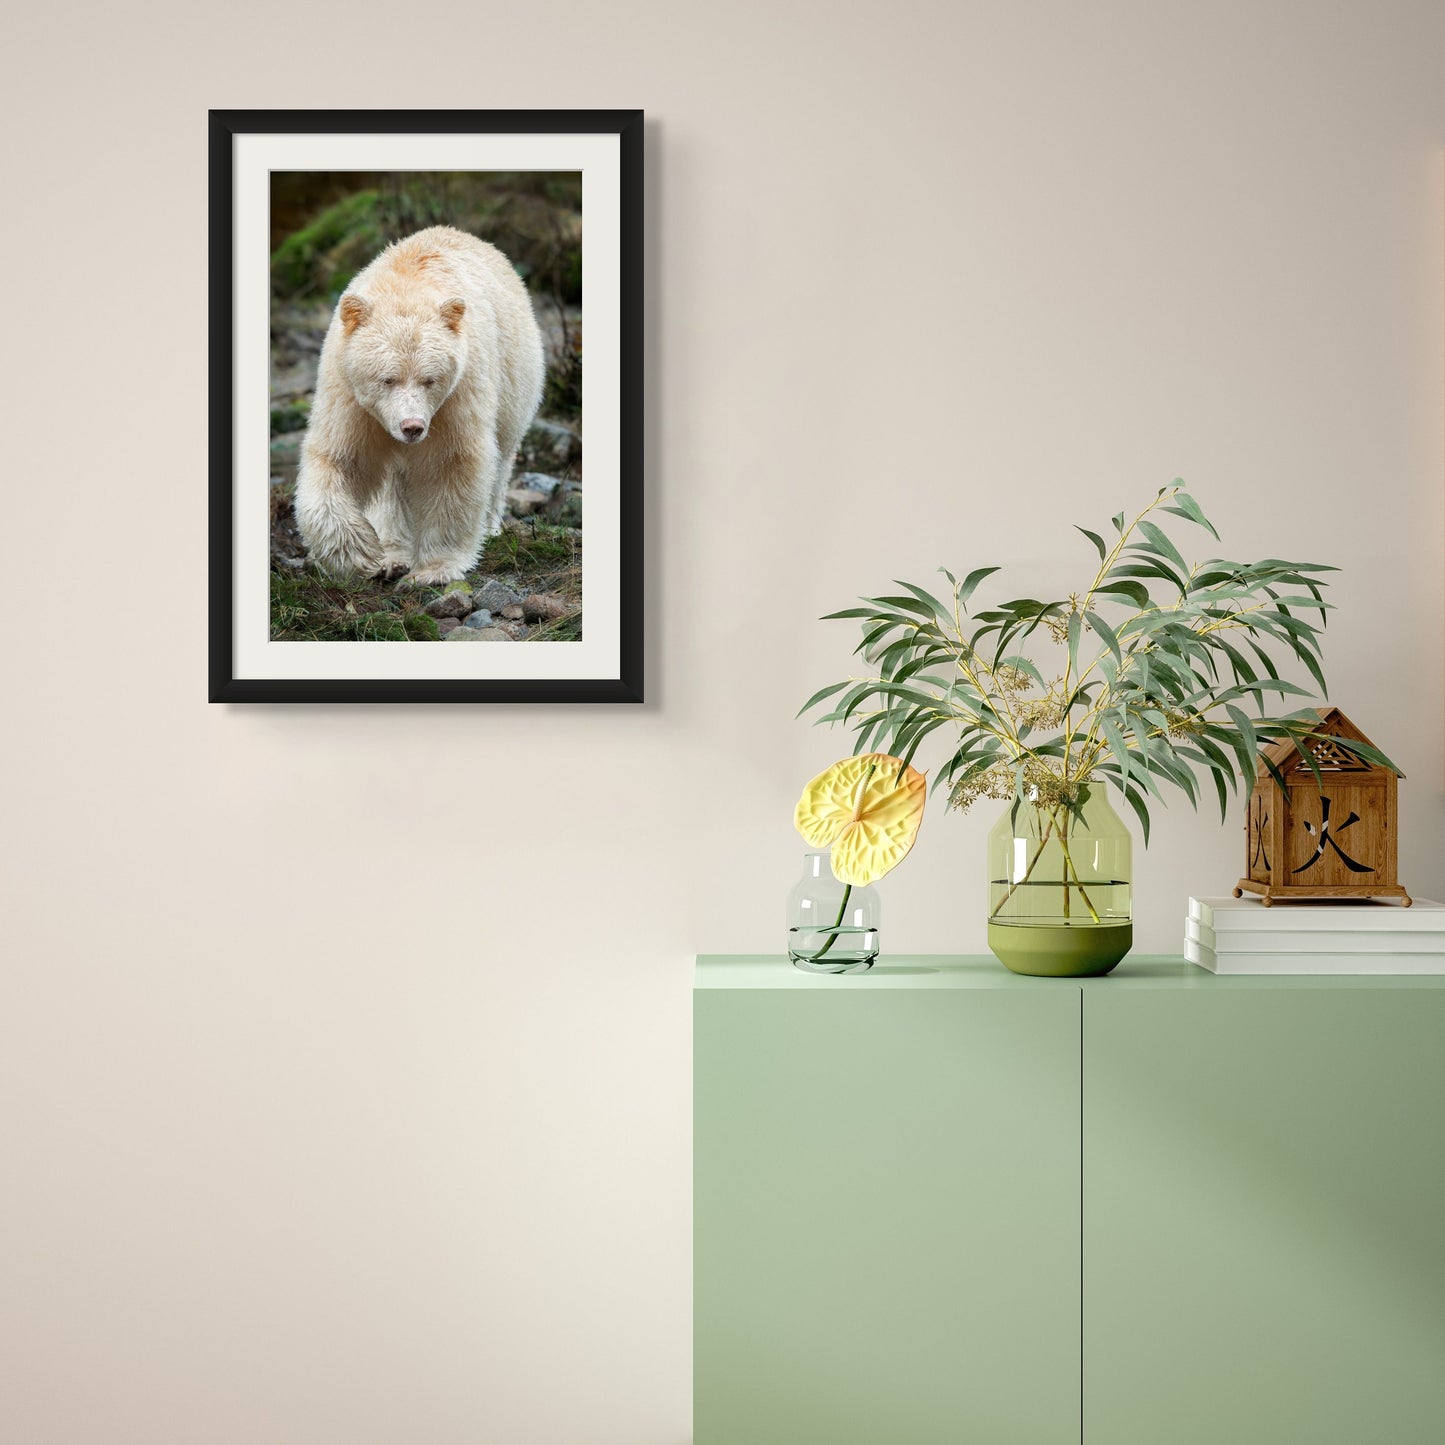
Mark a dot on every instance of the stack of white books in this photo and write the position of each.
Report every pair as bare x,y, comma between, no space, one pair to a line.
1241,935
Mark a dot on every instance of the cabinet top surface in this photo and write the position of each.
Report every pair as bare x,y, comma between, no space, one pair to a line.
952,971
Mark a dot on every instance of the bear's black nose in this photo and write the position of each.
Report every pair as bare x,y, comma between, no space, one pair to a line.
413,429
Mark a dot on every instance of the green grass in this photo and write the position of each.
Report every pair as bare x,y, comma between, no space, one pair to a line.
564,629
312,607
534,548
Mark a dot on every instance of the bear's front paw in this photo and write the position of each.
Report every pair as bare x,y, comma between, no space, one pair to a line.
348,564
355,551
434,574
394,564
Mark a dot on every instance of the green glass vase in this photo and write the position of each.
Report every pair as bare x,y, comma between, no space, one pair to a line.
1059,887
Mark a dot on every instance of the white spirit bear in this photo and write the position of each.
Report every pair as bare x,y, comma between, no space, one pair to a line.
431,372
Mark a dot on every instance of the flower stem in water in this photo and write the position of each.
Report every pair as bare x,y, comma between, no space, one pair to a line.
833,935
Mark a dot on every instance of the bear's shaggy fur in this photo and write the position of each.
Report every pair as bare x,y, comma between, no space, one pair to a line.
431,372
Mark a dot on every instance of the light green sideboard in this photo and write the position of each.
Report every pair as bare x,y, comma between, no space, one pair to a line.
1264,1215
887,1209
915,1187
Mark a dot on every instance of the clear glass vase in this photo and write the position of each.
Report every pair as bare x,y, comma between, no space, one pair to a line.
832,926
1059,887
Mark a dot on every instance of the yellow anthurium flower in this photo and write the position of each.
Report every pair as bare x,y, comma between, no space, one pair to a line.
866,812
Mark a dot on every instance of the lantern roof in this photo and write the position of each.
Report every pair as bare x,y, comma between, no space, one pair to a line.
1329,757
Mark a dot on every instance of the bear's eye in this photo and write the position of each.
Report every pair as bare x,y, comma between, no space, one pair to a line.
430,381
388,381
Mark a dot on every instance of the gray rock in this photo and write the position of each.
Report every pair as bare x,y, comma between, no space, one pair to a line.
513,613
551,444
537,482
565,505
447,624
495,595
480,618
522,502
478,634
449,604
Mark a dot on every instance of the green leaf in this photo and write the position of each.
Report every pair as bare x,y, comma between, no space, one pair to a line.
874,636
1218,758
1024,608
1160,540
1151,568
918,737
1013,812
1243,722
1309,603
1136,594
1247,746
864,742
851,700
1097,540
1186,506
818,696
1315,671
1141,810
1223,796
1106,633
944,614
849,612
908,694
1117,746
1172,768
1272,768
1366,751
911,604
970,583
1237,660
915,666
848,703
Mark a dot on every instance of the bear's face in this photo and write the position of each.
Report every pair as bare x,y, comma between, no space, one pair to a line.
401,366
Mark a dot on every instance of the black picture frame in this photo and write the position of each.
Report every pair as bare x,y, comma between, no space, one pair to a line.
627,686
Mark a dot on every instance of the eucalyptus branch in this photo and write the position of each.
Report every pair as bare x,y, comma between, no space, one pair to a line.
1188,678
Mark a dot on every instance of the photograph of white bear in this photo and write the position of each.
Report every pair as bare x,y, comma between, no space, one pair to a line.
445,284
430,375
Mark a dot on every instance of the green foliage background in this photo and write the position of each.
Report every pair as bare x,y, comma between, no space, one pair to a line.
327,225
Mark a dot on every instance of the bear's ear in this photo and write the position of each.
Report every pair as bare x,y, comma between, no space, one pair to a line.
355,311
452,312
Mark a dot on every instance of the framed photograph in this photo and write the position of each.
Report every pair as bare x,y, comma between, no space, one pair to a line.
399,436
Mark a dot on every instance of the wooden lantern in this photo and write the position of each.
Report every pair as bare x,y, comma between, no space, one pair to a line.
1334,837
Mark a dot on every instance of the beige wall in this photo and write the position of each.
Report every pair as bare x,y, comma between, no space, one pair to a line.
344,1052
